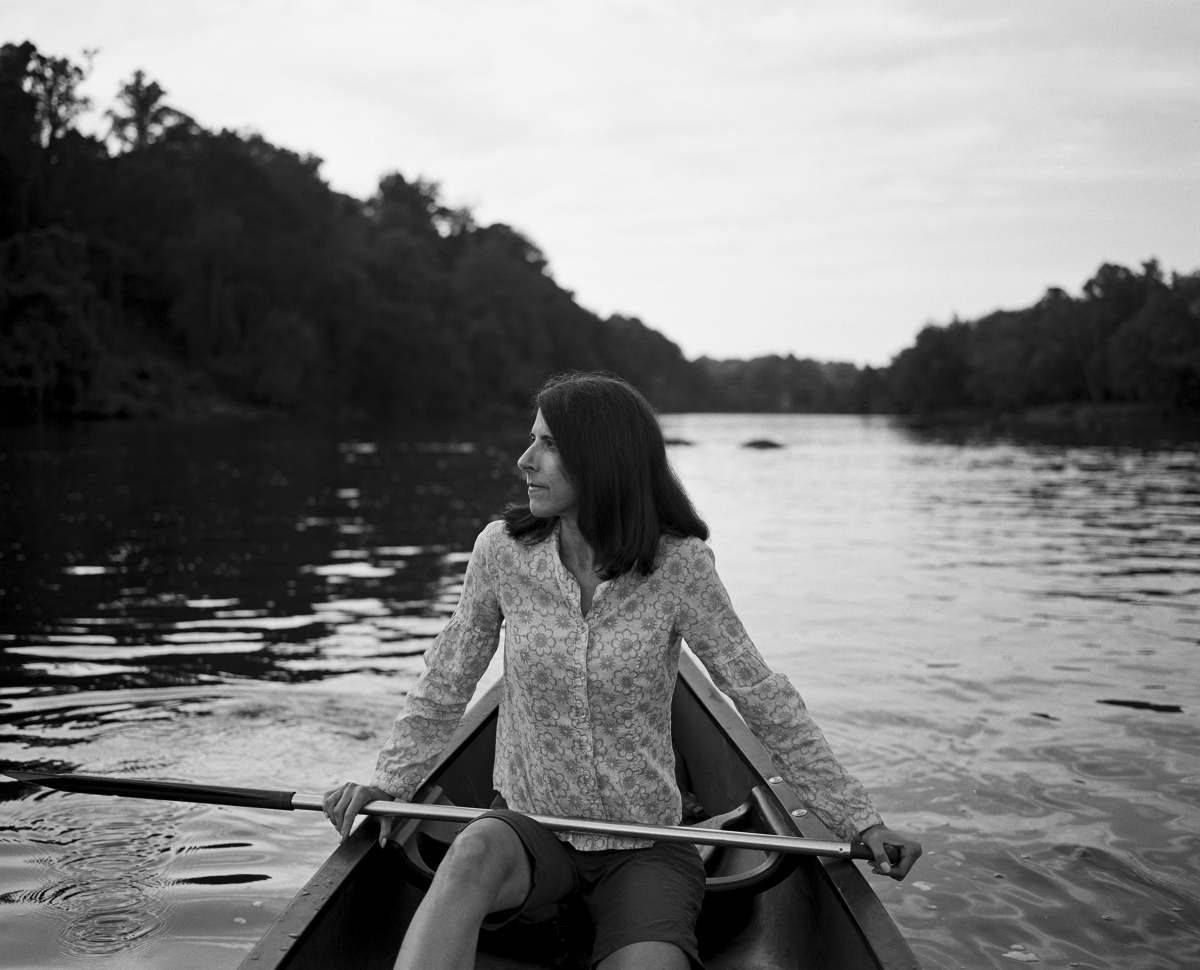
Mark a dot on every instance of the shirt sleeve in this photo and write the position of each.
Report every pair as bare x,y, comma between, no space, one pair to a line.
767,701
454,662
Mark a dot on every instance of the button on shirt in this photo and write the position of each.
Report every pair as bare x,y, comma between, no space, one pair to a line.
585,712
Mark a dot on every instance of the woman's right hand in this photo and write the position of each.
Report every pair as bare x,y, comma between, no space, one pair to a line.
343,804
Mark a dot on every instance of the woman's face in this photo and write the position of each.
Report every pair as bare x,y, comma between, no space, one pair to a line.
550,492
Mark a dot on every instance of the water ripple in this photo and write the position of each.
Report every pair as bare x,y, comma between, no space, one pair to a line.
105,877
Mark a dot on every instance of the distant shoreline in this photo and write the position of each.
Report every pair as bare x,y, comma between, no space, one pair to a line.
1106,423
1109,422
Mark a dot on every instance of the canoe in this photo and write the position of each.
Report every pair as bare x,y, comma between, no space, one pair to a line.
762,910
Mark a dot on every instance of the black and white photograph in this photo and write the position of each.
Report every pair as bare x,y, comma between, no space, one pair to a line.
611,485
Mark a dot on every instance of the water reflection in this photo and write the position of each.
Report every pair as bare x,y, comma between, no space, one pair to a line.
146,556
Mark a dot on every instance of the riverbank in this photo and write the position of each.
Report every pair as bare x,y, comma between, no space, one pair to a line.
1116,424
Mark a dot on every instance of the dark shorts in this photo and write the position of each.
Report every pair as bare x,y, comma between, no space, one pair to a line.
631,895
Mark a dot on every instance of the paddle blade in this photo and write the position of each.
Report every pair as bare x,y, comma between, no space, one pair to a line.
170,791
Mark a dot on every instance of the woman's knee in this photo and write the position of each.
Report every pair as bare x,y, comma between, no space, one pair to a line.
484,855
642,956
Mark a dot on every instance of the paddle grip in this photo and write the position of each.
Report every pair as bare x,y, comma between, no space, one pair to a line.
860,851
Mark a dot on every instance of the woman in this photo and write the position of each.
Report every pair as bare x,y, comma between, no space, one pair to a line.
598,578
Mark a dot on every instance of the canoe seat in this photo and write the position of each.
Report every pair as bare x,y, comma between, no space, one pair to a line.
423,845
750,870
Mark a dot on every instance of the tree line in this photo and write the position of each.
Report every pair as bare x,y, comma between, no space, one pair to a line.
1131,336
165,269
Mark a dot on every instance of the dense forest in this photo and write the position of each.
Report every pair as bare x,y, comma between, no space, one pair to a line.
1130,337
164,269
790,384
169,269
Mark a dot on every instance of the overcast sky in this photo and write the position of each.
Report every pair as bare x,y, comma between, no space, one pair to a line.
748,176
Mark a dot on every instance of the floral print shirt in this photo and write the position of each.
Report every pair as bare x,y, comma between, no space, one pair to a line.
585,713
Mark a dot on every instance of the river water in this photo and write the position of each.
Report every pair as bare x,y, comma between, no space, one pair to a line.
1000,637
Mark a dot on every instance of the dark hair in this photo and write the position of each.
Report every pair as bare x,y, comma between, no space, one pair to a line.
613,452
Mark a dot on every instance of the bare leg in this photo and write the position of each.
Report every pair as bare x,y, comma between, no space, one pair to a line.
650,955
485,871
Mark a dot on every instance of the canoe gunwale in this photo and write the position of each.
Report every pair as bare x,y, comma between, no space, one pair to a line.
879,933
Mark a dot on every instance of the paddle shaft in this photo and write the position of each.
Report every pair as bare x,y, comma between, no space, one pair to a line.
260,798
627,830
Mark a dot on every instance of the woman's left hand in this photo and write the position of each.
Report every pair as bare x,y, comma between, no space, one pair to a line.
877,837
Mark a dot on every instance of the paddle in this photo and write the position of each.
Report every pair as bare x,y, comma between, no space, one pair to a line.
287,801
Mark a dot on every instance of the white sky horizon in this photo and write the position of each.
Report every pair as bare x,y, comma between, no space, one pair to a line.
768,176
